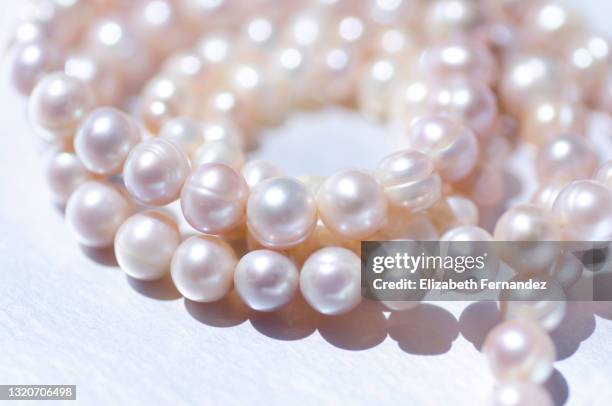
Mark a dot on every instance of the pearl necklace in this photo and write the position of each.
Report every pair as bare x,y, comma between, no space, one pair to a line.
463,82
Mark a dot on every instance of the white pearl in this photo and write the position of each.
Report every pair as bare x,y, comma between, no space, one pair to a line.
545,196
219,152
465,211
520,350
266,280
452,145
584,211
214,198
566,157
29,62
223,130
352,204
92,70
330,280
203,267
255,172
409,180
58,103
145,243
520,394
185,132
64,173
604,174
104,140
95,211
154,171
281,212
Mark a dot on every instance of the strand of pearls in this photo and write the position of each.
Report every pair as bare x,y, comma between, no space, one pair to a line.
465,82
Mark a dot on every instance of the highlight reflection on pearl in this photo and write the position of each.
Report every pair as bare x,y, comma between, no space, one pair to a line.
519,393
95,211
566,157
214,198
64,173
330,280
154,171
256,171
266,280
465,211
519,350
219,152
352,204
184,132
202,268
281,212
104,139
145,243
30,62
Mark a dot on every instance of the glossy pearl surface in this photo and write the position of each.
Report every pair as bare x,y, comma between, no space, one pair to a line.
520,350
281,212
185,132
352,204
154,171
409,180
266,280
219,152
464,210
545,118
604,174
30,62
104,140
520,393
330,280
202,268
64,173
566,157
214,198
584,211
145,243
95,211
255,172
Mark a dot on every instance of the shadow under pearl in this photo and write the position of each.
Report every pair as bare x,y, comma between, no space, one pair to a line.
229,311
160,289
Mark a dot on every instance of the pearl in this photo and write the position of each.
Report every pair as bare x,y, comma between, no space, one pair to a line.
185,132
214,198
202,268
64,173
266,280
448,18
281,212
452,145
255,172
154,171
604,174
352,204
330,280
548,21
485,185
566,157
587,57
145,243
545,196
95,211
219,152
104,140
520,350
162,99
464,210
531,235
518,393
30,62
104,82
546,117
567,270
58,103
400,224
409,180
584,211
376,88
223,130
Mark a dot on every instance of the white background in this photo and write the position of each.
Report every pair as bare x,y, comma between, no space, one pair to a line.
69,316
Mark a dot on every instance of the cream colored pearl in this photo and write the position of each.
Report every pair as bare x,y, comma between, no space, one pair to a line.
266,280
64,173
58,103
520,350
92,70
517,393
185,132
219,152
584,211
376,88
281,212
401,224
214,198
545,196
545,117
104,139
465,211
162,99
604,174
548,21
30,62
588,58
155,171
255,172
448,18
566,157
352,204
567,270
330,280
223,130
202,268
484,185
95,211
452,145
409,180
145,243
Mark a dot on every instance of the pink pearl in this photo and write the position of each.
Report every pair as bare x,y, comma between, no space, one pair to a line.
453,146
32,61
566,157
409,180
465,211
281,212
545,196
98,76
220,152
352,204
185,132
94,213
155,171
214,198
104,140
447,18
548,116
64,173
161,100
604,174
584,211
255,172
